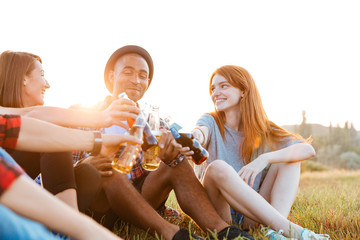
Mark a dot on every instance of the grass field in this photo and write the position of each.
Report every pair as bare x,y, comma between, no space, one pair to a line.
327,202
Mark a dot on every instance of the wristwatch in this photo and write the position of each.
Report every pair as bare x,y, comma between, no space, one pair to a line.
179,158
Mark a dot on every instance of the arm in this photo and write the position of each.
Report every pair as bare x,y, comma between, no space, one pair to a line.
294,153
42,207
118,111
202,134
39,136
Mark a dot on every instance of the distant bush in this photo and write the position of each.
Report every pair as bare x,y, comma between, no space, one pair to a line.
311,166
329,155
350,160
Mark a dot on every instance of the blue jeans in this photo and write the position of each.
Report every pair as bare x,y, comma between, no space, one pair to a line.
13,226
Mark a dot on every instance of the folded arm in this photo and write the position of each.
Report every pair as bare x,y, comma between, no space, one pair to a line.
40,136
118,111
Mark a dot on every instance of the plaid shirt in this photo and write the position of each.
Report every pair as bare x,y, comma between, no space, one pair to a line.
9,132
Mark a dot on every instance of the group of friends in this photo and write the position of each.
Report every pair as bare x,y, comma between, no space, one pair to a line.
251,176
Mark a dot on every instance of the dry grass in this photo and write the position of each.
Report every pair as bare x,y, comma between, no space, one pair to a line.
327,202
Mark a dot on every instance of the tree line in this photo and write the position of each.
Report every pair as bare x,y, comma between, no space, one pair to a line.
338,148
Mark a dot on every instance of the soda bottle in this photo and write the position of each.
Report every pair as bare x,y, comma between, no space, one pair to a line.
150,147
200,153
125,158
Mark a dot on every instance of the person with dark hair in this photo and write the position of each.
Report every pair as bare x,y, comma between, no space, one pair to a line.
253,171
22,87
135,197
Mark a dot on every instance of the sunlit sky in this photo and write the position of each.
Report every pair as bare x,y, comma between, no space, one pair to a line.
303,55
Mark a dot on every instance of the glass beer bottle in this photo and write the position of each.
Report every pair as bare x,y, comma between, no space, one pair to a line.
125,158
150,147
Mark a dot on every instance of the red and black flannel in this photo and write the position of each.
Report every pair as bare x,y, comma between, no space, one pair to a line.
9,132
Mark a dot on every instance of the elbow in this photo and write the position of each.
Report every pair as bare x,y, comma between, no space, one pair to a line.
310,151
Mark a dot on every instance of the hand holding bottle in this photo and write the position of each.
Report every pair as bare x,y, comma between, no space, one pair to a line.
130,119
200,154
127,154
169,149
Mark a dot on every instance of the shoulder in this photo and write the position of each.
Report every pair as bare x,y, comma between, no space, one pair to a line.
206,119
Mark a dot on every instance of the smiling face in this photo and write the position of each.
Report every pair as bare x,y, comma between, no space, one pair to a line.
130,75
225,96
34,87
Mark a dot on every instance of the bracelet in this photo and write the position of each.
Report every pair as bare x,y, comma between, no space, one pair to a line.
179,158
97,143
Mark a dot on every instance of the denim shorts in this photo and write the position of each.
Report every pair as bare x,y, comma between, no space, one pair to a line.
236,217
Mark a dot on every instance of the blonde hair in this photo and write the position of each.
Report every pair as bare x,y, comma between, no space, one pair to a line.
258,129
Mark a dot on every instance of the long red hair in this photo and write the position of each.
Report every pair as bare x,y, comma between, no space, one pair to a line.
258,129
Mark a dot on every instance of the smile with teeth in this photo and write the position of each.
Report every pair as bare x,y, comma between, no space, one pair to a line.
220,100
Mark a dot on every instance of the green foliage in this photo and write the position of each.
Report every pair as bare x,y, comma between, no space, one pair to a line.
329,155
350,160
337,147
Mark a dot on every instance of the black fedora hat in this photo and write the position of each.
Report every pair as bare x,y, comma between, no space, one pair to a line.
126,50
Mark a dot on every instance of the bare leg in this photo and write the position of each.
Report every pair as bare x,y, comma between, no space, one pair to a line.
189,192
279,188
244,199
219,202
130,206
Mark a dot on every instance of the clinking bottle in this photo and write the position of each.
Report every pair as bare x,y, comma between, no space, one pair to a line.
149,139
200,153
150,147
125,158
130,121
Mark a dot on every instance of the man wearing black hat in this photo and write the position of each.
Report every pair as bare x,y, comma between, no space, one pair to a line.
134,198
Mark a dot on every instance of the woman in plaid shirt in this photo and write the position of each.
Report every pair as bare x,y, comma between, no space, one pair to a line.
22,196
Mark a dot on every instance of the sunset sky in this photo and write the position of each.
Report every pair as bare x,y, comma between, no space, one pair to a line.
303,55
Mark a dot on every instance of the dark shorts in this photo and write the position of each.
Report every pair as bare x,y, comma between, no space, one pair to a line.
138,183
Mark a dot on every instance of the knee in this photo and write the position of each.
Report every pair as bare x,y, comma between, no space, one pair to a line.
87,177
218,170
116,179
292,166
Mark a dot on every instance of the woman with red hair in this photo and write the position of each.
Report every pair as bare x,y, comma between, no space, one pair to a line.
253,171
